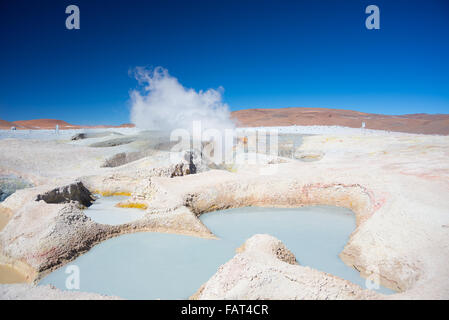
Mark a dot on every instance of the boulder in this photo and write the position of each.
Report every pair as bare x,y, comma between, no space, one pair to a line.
72,192
78,136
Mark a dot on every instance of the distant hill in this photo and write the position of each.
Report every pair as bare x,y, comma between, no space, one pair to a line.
411,123
40,124
6,124
45,124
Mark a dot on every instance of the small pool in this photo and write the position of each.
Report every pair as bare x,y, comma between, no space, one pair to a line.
168,266
10,183
104,211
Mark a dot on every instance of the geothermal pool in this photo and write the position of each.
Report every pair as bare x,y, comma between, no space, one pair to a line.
168,266
10,183
104,211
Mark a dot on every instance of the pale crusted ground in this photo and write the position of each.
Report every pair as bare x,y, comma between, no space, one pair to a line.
264,269
395,184
27,292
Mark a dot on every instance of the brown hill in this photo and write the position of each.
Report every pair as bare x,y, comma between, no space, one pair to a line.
412,123
38,124
6,125
45,124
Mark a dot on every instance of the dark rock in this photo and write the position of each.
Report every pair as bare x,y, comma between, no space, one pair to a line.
189,157
79,136
116,160
122,158
73,192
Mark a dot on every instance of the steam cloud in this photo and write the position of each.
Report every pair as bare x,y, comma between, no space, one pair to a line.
165,104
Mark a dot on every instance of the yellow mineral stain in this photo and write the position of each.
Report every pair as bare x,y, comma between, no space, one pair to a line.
136,205
112,193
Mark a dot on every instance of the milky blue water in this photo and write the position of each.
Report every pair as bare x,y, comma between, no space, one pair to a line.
167,266
104,211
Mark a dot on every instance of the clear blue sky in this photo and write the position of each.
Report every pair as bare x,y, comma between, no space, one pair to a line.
311,53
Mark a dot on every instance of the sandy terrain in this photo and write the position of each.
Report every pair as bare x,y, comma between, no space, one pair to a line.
413,123
396,185
10,275
4,218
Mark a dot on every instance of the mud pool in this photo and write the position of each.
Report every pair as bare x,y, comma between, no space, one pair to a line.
169,266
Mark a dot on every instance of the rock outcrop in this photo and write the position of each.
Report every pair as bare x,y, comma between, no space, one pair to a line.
264,268
51,235
122,158
78,136
73,192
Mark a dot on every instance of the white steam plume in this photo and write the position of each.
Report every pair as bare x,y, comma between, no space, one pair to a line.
164,104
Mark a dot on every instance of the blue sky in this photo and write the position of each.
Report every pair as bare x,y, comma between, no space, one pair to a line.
311,53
